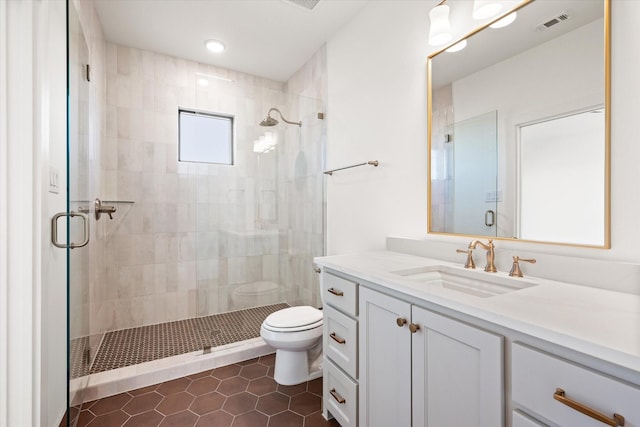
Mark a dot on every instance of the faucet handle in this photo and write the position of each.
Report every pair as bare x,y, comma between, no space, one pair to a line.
469,262
515,269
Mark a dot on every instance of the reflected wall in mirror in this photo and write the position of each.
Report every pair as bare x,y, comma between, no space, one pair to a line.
519,128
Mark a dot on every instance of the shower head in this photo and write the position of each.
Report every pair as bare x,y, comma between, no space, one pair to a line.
270,121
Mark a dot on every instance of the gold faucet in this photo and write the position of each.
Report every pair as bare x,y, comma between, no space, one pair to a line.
515,269
491,266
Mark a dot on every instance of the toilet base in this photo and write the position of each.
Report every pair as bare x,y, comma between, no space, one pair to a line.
294,367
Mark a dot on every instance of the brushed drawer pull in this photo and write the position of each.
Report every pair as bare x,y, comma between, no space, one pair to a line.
337,338
413,327
335,292
617,420
337,397
401,321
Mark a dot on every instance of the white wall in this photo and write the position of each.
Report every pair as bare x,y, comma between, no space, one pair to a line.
377,109
32,119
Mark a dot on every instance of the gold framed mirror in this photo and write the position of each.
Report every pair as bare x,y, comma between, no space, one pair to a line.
519,128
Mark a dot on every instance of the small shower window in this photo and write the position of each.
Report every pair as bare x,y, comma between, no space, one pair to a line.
205,137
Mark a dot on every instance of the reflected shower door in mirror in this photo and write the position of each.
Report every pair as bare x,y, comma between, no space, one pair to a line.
467,151
538,73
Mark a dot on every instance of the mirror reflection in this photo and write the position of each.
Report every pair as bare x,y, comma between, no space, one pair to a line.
518,128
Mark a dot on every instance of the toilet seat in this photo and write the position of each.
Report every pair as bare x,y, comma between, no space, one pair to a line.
293,319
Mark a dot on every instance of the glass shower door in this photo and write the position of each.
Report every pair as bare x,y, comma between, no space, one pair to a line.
77,225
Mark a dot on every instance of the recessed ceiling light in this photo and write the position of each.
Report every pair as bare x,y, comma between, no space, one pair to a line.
214,46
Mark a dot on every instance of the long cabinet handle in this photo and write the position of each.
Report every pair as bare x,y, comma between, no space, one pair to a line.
337,338
335,292
615,421
337,397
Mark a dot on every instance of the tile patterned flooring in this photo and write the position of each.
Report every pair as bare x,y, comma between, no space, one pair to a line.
128,347
243,394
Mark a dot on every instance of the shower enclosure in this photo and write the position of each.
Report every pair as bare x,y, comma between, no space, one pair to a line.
188,241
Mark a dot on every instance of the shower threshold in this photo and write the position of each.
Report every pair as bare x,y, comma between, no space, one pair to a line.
142,356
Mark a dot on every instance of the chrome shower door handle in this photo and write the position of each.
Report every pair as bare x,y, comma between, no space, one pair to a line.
489,218
54,230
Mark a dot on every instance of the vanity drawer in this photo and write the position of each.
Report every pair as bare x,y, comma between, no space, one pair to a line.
340,340
340,293
521,420
537,378
340,395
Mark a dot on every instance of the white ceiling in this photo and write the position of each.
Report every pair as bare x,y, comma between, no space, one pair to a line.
268,38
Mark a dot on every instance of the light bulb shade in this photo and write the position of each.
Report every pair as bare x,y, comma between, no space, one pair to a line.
483,9
440,28
505,21
458,46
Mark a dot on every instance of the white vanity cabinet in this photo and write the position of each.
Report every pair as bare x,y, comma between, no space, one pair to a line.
568,394
340,348
419,368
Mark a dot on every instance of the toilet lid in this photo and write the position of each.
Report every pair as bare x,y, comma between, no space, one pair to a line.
294,317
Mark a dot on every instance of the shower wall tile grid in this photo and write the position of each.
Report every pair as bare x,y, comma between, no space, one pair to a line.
174,254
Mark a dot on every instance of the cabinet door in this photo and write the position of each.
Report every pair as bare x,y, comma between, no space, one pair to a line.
385,361
457,373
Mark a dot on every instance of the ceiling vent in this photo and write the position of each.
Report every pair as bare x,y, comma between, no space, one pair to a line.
306,4
563,16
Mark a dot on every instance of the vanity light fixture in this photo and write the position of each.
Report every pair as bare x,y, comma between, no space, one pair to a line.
483,9
440,28
457,47
214,46
504,21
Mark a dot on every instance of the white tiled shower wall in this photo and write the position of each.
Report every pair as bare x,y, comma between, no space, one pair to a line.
197,231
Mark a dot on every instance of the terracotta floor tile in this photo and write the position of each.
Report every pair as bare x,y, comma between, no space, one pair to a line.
248,362
143,390
273,403
142,403
317,420
84,419
146,419
232,386
203,386
115,418
262,386
305,403
268,360
286,419
254,371
174,386
176,402
207,403
181,419
251,419
240,403
292,390
315,386
110,404
215,419
226,372
205,400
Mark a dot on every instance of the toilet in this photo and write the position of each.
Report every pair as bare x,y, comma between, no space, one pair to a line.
296,334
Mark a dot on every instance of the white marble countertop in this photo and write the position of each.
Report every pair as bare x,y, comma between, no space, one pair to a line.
600,323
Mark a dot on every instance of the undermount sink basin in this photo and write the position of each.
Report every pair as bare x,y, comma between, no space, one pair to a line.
472,282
